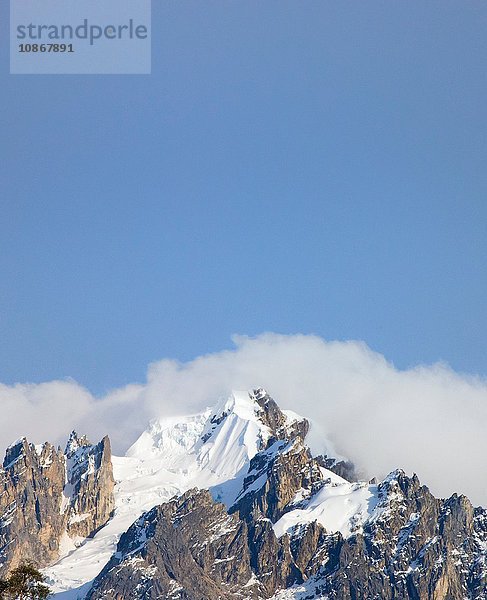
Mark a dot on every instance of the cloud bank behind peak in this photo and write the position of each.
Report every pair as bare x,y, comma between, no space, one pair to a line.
428,419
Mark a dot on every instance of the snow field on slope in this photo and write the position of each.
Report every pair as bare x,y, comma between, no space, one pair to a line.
338,506
212,451
168,459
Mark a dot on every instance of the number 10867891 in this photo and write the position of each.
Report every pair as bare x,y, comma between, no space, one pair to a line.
46,48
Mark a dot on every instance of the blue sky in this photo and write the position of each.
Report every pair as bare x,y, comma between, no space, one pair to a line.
289,166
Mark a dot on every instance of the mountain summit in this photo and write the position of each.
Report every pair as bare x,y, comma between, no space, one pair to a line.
232,504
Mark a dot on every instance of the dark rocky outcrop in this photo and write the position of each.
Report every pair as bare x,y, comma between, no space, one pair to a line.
343,468
280,472
414,547
191,549
280,426
275,477
89,485
45,494
405,544
31,492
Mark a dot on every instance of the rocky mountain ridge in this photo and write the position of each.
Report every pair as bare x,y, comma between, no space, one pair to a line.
277,540
232,504
48,496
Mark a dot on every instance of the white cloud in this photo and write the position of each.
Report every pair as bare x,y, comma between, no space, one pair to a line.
429,419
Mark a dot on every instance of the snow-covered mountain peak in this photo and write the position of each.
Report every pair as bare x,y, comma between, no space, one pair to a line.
169,437
220,439
241,503
212,450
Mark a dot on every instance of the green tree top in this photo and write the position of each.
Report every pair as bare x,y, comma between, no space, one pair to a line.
24,583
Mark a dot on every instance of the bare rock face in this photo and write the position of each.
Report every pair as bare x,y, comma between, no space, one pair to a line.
412,547
272,416
343,468
31,489
191,549
284,467
45,494
275,477
403,544
184,549
89,485
415,548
